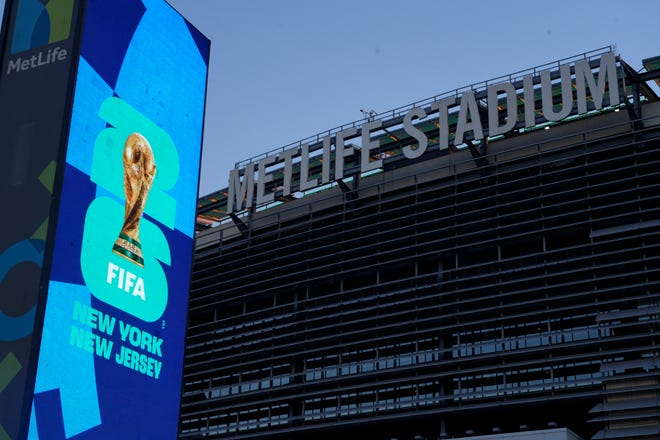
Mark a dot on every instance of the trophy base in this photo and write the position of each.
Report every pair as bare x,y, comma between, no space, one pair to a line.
129,248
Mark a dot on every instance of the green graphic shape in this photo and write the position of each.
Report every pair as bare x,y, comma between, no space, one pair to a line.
3,434
60,13
47,176
47,179
9,368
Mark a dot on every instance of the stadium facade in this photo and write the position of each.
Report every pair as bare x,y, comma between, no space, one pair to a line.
488,265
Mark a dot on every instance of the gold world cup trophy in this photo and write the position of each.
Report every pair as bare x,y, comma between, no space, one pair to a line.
139,172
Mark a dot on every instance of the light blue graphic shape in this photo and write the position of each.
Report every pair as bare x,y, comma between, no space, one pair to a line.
14,328
33,433
91,91
166,83
66,367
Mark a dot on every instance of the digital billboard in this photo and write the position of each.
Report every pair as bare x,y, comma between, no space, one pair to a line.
111,354
38,40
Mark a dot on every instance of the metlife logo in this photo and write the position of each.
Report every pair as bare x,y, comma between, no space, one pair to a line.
38,59
39,23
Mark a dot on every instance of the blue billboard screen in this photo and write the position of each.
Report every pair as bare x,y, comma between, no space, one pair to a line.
111,355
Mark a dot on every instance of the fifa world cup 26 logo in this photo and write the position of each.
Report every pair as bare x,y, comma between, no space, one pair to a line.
124,252
139,172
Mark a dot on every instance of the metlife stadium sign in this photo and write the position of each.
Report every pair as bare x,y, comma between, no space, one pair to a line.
109,321
545,96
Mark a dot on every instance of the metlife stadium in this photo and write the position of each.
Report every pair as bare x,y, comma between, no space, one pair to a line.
485,263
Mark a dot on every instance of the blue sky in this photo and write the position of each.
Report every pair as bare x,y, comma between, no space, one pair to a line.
288,69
